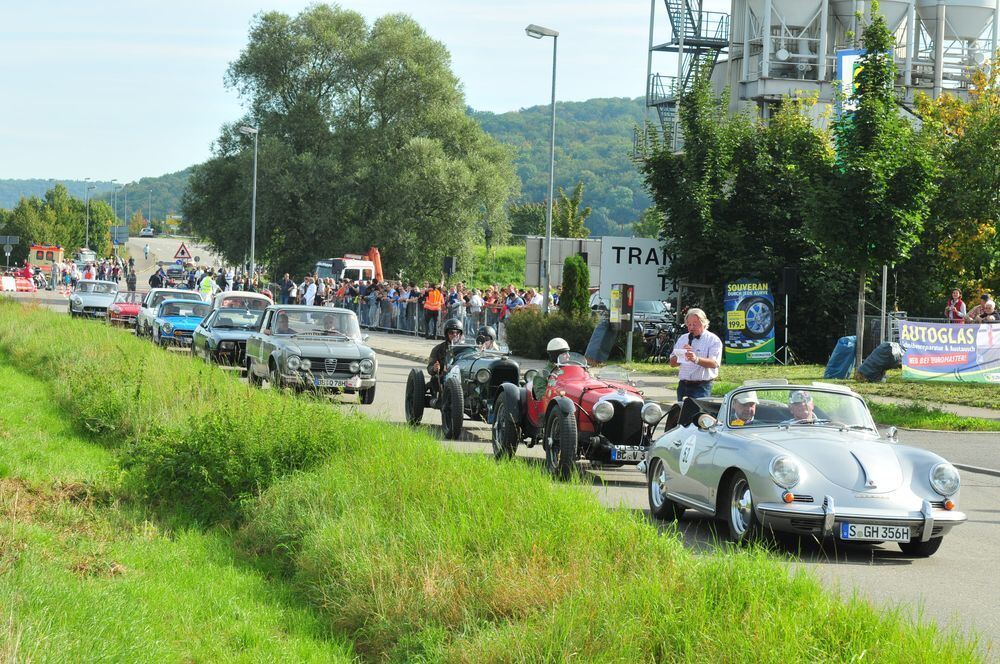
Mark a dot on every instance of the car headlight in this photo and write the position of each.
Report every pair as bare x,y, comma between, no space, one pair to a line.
651,413
367,366
305,365
293,362
945,479
603,411
355,366
167,328
483,375
226,345
77,301
115,310
784,471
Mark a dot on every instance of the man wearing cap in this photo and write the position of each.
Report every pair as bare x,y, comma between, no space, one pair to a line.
698,354
744,409
800,405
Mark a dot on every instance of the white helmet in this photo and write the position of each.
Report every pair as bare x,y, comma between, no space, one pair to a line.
556,347
557,344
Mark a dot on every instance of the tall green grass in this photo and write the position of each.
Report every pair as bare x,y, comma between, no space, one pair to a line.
86,577
418,553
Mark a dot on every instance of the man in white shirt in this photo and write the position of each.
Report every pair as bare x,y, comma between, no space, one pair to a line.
310,294
698,354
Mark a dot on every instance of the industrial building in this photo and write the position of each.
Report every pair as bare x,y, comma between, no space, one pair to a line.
764,50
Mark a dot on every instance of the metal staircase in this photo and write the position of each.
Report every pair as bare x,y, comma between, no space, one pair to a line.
698,37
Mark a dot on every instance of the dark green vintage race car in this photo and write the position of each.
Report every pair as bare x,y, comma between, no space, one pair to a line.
469,385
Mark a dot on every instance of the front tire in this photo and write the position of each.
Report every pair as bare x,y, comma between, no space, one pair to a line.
560,443
505,434
920,549
367,397
452,408
252,378
273,376
739,510
660,506
413,403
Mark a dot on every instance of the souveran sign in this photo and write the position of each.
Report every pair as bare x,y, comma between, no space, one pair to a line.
638,261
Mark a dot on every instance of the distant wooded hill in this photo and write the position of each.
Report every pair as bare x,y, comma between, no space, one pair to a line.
593,146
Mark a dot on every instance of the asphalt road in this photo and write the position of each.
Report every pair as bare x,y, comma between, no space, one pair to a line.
955,587
164,249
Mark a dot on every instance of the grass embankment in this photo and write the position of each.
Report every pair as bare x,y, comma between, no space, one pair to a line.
85,576
416,552
912,416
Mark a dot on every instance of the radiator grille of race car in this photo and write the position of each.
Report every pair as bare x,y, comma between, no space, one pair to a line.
625,428
503,372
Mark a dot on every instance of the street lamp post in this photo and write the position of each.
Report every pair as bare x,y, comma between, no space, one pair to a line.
253,131
125,206
150,207
114,200
538,32
87,240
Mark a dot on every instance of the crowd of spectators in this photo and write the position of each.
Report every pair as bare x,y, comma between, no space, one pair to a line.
985,312
411,307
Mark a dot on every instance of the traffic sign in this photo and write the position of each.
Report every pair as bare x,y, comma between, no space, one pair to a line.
9,239
7,249
183,252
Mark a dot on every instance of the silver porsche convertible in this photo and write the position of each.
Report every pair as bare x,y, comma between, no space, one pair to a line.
809,460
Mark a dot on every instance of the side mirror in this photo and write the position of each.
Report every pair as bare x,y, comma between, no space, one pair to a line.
529,376
892,434
706,421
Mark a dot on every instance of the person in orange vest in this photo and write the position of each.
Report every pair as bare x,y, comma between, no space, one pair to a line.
432,309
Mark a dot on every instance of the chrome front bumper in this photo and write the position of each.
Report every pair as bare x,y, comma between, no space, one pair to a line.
927,523
305,380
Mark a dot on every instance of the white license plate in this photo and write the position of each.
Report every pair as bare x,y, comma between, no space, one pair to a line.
622,453
865,532
330,382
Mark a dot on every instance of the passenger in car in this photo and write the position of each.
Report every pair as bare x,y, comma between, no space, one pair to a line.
744,409
800,405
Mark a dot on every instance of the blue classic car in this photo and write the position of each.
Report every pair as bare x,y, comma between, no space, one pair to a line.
176,319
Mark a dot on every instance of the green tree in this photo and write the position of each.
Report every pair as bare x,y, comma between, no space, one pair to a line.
885,180
527,218
363,139
574,299
568,219
650,224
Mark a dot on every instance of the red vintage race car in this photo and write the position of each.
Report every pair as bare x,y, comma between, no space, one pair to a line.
125,309
575,415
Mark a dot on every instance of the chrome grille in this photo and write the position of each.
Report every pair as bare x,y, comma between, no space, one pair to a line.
799,498
937,504
182,333
328,365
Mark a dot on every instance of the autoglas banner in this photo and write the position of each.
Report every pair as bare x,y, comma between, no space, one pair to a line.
950,352
749,309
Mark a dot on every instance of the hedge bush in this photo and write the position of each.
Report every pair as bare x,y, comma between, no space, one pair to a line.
528,331
575,297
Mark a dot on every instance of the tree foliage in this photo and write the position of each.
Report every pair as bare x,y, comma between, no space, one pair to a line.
364,140
58,218
575,297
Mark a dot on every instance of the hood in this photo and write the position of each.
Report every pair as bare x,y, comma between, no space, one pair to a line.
183,322
227,334
103,299
342,349
852,460
127,308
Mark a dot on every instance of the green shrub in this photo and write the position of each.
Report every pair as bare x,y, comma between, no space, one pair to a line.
528,331
574,300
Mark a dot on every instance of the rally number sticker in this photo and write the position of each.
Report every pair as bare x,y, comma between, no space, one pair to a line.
687,453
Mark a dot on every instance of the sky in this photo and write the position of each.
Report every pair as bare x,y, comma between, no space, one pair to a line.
123,89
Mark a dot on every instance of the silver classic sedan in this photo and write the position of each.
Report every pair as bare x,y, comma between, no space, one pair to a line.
317,348
801,459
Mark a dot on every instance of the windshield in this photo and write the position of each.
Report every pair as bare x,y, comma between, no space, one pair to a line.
92,287
174,295
650,307
185,308
129,297
244,302
573,358
797,407
317,320
237,318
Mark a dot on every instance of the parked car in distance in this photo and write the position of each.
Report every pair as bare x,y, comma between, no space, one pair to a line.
176,319
241,300
146,231
222,336
147,313
91,298
317,348
125,308
803,459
